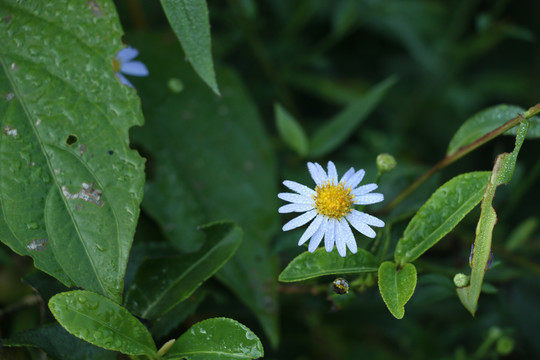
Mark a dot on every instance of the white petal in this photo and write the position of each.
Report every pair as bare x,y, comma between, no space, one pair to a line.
299,220
356,178
366,218
347,176
135,68
127,54
312,228
348,236
295,198
124,80
321,171
340,240
329,235
315,174
299,188
368,199
361,226
317,237
362,190
295,208
332,173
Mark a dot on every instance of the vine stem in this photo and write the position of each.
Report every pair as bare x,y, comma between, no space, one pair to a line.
450,158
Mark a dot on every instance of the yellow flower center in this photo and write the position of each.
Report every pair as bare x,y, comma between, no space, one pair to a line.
333,201
116,65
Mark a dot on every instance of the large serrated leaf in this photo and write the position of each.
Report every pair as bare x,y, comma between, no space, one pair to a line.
101,322
213,161
216,339
440,214
59,344
396,286
487,120
161,283
189,20
319,263
70,186
341,126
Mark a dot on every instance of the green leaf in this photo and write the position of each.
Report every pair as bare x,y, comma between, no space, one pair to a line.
523,232
59,344
501,174
290,131
161,283
487,120
217,338
212,160
70,185
172,319
396,286
340,127
189,20
440,214
319,263
101,322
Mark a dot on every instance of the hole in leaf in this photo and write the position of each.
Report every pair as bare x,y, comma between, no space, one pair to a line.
72,139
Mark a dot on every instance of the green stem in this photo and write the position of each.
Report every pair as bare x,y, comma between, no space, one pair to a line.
450,158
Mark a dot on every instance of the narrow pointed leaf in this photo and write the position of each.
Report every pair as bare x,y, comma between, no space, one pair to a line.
501,174
189,20
216,339
396,286
101,322
59,344
487,120
320,263
70,186
340,127
440,214
290,131
161,283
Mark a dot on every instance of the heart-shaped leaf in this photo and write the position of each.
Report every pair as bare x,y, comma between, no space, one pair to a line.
396,286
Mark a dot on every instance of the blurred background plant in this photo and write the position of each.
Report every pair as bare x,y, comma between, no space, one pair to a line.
403,76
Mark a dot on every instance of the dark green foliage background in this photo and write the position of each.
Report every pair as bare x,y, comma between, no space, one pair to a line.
451,59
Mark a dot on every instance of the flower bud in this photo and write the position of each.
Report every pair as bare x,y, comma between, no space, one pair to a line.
461,280
505,345
386,162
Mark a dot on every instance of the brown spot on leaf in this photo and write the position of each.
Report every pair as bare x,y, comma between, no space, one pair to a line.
96,10
87,193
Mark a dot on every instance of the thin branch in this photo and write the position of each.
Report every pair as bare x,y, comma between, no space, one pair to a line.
450,158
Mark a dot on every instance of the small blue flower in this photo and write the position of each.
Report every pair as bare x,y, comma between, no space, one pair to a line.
490,260
123,64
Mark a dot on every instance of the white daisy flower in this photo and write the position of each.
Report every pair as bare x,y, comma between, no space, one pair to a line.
330,206
123,64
